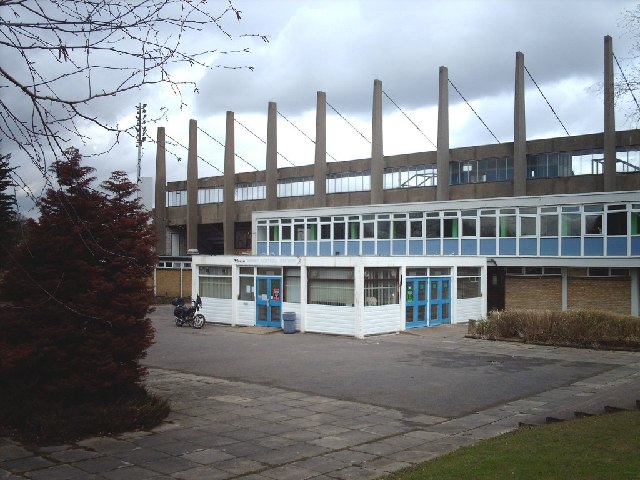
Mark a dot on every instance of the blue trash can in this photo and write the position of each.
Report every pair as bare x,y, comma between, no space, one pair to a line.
289,322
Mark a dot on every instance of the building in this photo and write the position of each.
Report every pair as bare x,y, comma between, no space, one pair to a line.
550,223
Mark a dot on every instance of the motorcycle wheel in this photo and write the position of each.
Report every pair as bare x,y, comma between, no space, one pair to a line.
198,321
178,322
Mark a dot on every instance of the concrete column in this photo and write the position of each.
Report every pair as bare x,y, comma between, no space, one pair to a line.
609,119
160,212
229,202
192,190
320,165
442,155
377,158
519,132
272,157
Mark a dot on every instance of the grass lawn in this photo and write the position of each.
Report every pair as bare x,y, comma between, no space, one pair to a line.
601,447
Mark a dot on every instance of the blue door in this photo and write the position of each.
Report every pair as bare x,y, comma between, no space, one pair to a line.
417,302
439,300
268,301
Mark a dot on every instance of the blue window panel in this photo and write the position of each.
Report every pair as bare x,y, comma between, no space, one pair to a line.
262,248
298,248
450,247
594,246
528,246
433,247
570,247
617,246
339,248
416,247
549,246
399,247
285,248
274,248
368,247
487,246
353,248
325,248
635,245
507,246
384,247
469,247
312,249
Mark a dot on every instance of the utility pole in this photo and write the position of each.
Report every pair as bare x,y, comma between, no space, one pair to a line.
141,134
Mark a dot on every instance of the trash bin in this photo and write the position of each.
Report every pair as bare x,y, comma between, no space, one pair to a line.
289,322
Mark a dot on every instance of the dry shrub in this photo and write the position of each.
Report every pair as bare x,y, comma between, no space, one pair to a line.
579,328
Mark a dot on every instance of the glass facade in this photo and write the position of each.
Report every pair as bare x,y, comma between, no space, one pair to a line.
589,230
485,170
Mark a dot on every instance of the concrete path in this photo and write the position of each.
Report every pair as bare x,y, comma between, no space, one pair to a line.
222,428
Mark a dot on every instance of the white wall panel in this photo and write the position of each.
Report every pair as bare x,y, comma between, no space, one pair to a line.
467,309
216,309
382,319
330,319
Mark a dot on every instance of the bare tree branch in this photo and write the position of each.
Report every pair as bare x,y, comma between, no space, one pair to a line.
61,56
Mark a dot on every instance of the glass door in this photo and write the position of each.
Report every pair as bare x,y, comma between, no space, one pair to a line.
440,300
268,301
416,302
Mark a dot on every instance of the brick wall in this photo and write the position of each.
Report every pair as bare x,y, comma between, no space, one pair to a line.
533,293
609,294
168,282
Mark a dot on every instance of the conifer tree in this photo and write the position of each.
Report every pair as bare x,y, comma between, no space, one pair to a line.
7,209
78,326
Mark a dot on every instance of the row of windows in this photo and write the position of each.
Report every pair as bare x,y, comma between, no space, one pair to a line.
330,286
548,221
589,230
493,169
557,271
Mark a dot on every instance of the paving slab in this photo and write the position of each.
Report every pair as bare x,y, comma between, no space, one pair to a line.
225,423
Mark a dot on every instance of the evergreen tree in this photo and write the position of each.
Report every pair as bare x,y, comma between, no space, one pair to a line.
7,209
79,286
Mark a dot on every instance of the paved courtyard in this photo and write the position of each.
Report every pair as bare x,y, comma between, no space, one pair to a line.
256,405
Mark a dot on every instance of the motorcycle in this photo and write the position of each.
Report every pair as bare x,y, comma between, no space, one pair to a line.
184,315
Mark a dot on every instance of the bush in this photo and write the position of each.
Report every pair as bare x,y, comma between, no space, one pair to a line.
42,422
576,328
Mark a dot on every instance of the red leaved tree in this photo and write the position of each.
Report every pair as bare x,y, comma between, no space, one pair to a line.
78,325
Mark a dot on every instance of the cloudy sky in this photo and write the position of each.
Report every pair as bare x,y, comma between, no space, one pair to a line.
340,47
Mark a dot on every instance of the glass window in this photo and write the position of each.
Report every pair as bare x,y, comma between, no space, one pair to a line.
416,228
432,227
338,231
487,226
298,230
274,233
527,226
325,231
571,224
450,228
616,222
508,226
549,226
367,230
384,227
468,227
291,285
593,224
247,287
469,287
354,229
215,282
330,286
381,286
399,229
